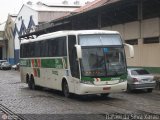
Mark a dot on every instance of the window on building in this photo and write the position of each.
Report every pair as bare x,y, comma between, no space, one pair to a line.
132,42
87,2
20,18
65,2
76,2
151,40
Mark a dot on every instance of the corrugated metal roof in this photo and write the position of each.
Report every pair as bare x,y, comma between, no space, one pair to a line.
48,5
90,6
61,2
95,4
46,8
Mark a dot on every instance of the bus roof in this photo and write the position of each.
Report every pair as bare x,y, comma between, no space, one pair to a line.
69,32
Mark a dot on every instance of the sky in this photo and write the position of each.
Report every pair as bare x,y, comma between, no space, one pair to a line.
14,6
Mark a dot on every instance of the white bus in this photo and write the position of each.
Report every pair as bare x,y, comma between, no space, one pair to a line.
80,62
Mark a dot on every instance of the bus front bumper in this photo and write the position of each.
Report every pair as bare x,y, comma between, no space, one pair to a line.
97,89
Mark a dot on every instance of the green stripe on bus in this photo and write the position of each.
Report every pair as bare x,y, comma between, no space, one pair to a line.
124,77
52,63
43,63
25,63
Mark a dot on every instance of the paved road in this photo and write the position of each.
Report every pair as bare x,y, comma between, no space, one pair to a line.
16,96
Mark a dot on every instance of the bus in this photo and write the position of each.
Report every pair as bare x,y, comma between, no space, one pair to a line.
75,62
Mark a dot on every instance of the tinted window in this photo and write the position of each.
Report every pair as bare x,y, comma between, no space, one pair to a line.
44,49
61,46
57,47
48,48
31,50
37,49
139,72
91,40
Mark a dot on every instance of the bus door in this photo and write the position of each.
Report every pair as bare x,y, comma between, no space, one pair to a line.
74,67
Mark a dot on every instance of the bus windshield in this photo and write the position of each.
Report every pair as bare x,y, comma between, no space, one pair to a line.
99,61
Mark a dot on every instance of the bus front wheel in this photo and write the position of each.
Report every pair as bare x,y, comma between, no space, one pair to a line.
65,89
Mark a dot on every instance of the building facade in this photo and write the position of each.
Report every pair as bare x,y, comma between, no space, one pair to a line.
138,21
32,15
8,37
145,37
3,43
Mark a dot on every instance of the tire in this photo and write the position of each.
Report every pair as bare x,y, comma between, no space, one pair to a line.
27,79
65,89
31,83
150,90
104,95
128,88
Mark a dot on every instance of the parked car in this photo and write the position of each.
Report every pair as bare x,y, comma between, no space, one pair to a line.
15,67
139,78
5,66
1,61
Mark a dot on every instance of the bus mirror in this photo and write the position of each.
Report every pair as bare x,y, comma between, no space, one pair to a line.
79,51
131,50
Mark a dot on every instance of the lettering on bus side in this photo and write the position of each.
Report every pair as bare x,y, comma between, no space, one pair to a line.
54,72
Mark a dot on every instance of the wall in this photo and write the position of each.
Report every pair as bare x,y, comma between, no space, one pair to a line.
48,16
146,55
10,39
2,46
23,16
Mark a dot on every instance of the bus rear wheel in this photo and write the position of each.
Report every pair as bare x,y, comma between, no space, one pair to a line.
31,83
65,89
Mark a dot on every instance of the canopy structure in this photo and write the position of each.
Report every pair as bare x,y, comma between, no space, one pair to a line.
101,13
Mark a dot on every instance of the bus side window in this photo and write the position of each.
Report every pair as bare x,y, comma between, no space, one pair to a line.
52,52
73,56
37,49
44,48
